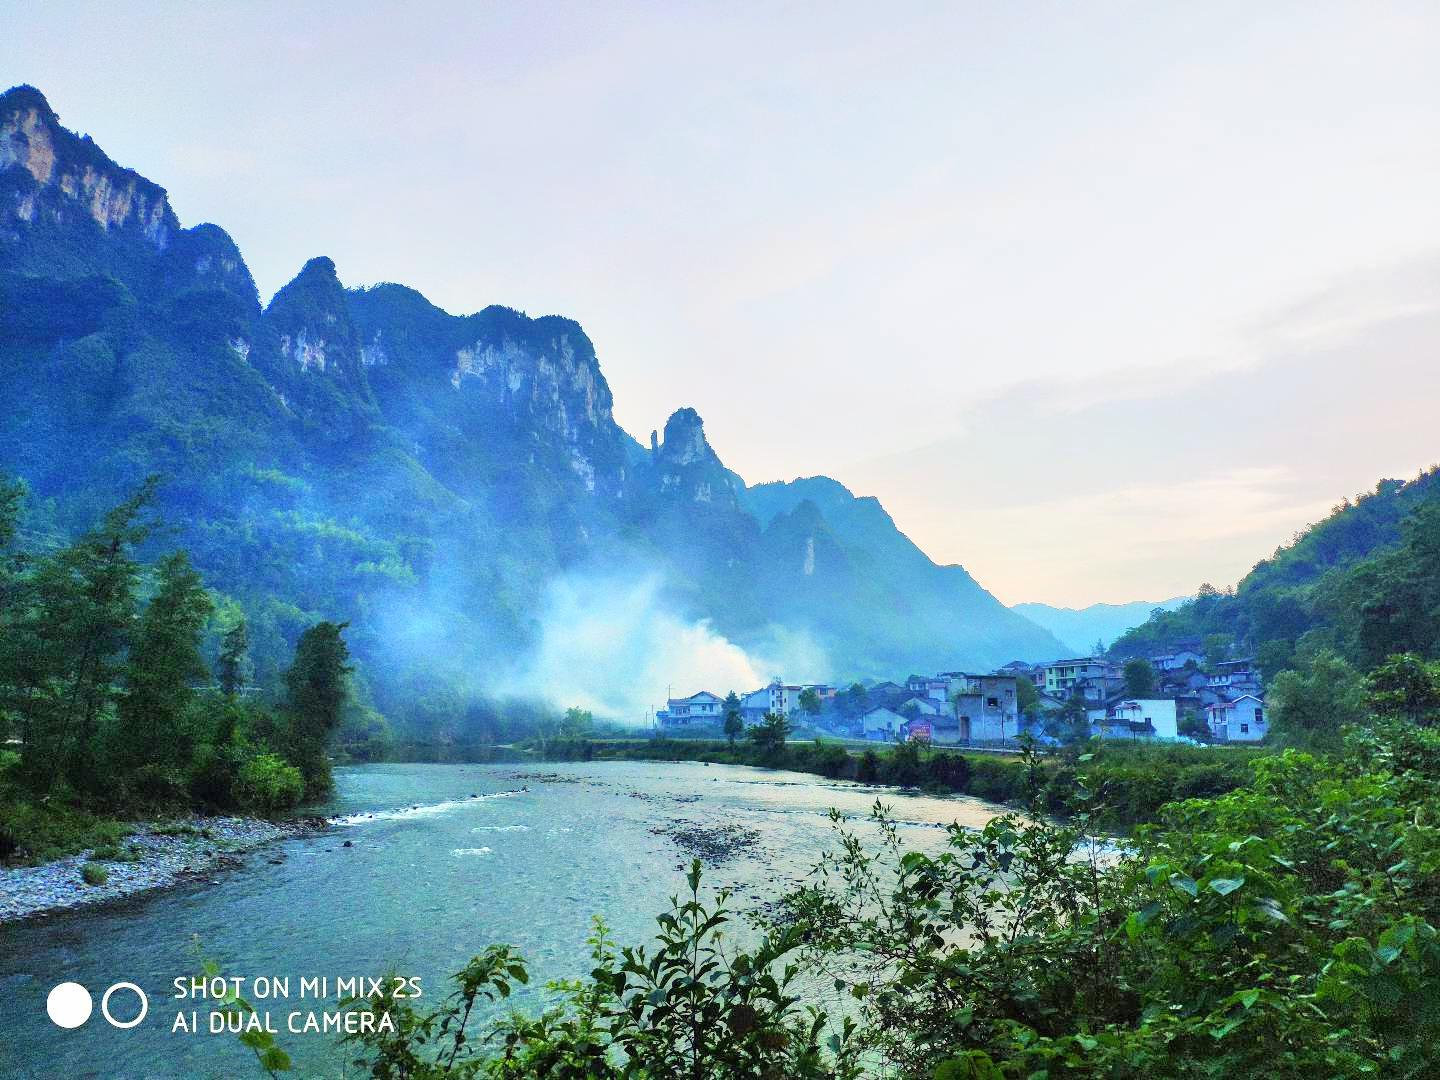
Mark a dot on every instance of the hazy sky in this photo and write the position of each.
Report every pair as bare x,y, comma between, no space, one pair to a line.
1102,300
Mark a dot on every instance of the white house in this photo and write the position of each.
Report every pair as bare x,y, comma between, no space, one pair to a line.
701,708
1240,720
881,724
1140,718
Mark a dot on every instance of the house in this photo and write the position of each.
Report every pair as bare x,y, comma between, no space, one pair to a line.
1240,720
1235,677
1177,660
924,706
986,709
1062,675
701,708
754,705
881,724
1139,718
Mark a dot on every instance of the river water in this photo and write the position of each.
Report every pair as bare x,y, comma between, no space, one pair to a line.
444,859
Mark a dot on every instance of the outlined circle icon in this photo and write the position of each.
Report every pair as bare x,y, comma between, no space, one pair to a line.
69,1005
105,1005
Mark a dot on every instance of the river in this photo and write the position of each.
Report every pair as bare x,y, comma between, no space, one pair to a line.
443,860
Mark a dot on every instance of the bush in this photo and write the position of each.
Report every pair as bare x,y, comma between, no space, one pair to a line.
38,833
94,874
115,853
268,783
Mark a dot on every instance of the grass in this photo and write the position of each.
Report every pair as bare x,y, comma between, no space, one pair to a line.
36,831
94,874
127,853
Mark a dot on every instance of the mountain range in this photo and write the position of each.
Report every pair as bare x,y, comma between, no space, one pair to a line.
1081,628
360,454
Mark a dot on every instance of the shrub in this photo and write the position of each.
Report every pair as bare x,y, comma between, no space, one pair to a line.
115,853
94,874
268,783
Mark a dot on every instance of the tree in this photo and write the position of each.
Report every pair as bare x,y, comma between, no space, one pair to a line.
1315,701
577,722
163,664
810,701
80,616
234,654
854,700
734,721
769,735
1406,686
1216,649
1192,724
316,686
1027,698
1139,677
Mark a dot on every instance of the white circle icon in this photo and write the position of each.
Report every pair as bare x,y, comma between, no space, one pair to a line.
69,1005
105,1005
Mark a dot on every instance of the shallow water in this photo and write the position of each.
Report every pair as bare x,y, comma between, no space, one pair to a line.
445,859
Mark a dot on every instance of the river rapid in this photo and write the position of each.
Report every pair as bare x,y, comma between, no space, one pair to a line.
442,860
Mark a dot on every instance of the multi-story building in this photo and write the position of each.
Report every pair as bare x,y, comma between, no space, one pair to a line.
1063,675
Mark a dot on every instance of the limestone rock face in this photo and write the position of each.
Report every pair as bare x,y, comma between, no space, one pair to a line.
687,468
58,186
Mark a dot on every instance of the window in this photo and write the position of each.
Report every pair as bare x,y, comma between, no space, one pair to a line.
992,703
1244,728
1259,716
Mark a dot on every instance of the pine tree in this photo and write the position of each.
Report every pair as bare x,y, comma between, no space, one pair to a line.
317,685
163,664
75,631
234,652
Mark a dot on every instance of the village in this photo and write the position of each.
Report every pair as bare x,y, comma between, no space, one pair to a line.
1176,695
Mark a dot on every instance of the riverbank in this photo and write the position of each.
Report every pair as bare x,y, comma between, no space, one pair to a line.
152,856
1120,784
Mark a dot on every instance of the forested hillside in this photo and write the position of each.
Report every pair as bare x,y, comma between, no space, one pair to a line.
1363,583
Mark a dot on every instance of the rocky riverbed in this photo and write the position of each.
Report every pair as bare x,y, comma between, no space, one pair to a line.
153,856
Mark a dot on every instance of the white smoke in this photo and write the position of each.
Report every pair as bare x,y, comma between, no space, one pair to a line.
611,645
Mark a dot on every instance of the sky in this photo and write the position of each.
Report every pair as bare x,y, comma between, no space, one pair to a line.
1101,300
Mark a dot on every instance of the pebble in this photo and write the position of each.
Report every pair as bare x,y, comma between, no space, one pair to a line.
27,891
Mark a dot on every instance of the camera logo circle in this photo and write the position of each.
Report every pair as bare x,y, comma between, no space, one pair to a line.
105,1005
69,1005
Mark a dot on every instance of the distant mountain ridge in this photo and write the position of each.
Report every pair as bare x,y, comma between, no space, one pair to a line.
361,454
1081,628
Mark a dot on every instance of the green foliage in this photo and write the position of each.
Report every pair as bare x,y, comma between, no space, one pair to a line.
1314,704
687,1006
234,652
770,734
1139,677
163,663
1406,686
128,853
316,692
92,873
734,722
100,657
1284,929
32,831
268,784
